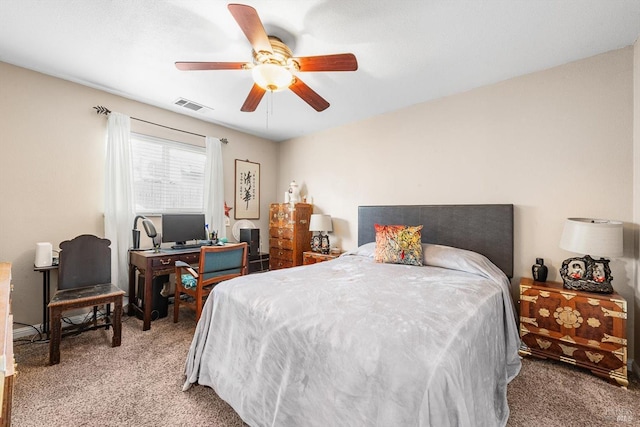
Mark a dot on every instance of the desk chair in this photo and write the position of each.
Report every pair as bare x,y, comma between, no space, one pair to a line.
217,263
84,280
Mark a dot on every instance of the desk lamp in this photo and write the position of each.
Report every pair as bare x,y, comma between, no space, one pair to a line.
149,228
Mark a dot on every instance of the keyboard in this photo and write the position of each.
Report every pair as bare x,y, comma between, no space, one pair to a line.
189,246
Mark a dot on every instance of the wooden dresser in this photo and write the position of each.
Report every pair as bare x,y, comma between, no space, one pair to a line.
289,234
582,328
7,362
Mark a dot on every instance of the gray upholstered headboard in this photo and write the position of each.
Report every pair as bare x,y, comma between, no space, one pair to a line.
486,229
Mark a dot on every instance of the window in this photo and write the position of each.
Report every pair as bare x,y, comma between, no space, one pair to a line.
168,176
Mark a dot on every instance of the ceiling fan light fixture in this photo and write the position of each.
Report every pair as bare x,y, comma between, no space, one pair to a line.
272,77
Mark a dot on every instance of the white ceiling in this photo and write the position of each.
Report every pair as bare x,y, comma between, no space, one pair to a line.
408,51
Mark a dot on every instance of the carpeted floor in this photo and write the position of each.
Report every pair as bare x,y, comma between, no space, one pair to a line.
140,384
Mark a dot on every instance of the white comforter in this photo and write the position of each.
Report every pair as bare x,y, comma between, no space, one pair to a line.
352,342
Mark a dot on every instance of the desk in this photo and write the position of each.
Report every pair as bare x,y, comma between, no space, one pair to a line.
151,264
46,295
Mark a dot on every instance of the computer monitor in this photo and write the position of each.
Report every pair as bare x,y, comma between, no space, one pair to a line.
180,228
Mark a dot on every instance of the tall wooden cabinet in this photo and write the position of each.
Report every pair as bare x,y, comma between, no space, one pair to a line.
289,234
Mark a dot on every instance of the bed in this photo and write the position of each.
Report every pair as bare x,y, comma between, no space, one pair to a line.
354,342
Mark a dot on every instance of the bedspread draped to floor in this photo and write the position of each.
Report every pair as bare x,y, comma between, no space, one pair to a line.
378,344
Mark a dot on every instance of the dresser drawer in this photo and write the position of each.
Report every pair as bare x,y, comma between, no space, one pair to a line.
281,233
277,263
567,351
281,216
281,254
590,320
281,244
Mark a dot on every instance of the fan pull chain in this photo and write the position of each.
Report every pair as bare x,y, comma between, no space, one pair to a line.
269,107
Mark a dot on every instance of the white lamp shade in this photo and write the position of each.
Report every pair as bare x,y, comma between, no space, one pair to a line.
595,237
320,222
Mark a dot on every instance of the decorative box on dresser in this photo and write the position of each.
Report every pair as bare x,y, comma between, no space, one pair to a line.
7,362
289,234
581,328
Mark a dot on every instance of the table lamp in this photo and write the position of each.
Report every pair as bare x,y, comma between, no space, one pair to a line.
320,223
590,237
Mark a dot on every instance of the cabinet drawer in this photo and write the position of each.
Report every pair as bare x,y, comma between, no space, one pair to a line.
278,263
589,320
164,262
280,216
587,357
281,244
282,254
190,258
281,233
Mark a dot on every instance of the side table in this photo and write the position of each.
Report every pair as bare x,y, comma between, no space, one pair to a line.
310,257
577,327
46,296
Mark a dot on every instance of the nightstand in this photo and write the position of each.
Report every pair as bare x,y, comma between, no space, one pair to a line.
581,328
314,257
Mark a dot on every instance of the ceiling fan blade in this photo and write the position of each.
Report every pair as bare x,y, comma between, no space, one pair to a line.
308,95
255,96
250,24
192,66
338,62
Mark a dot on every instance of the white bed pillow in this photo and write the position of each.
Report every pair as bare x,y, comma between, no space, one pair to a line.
460,259
366,250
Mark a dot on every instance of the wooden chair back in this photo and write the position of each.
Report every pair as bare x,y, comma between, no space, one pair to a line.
218,263
84,261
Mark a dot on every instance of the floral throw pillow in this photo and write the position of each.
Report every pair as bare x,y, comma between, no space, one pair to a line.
398,244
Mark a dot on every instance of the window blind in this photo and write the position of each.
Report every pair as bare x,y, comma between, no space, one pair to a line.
168,176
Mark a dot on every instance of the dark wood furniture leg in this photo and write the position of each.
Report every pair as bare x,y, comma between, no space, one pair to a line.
147,303
132,289
117,322
56,335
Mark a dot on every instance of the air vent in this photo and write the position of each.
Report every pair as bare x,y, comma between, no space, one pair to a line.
193,106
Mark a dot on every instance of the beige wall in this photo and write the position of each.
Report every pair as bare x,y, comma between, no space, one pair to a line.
52,165
556,143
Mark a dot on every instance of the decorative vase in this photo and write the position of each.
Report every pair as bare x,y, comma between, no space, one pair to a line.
294,192
539,270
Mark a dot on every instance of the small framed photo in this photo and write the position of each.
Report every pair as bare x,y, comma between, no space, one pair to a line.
577,269
247,190
600,271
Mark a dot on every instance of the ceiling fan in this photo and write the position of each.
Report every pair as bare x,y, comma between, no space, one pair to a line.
273,64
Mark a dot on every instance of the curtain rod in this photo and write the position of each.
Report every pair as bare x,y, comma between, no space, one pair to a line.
104,110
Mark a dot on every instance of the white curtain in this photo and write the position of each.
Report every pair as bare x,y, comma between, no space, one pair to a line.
214,187
118,205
